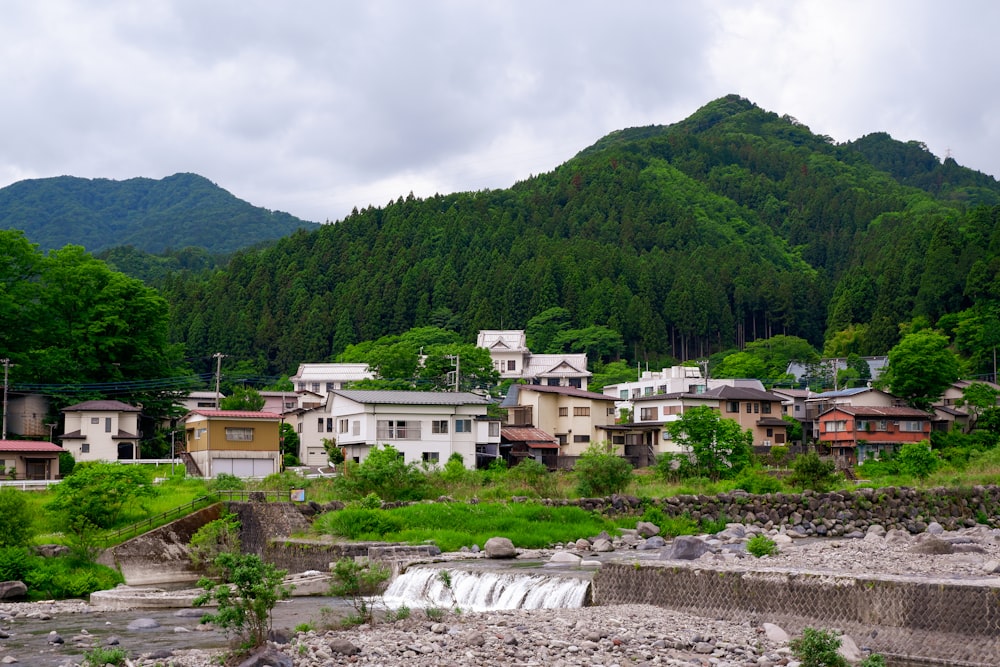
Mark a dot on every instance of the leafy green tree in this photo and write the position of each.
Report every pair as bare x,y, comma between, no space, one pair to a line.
921,366
359,581
541,331
334,454
474,367
289,440
917,459
100,492
384,473
599,342
601,472
978,397
720,448
809,471
766,359
242,398
612,372
16,528
245,597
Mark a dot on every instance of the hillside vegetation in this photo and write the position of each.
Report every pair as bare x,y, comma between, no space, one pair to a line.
150,215
734,225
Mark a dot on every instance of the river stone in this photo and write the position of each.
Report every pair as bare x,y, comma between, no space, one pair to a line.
10,590
268,657
775,633
647,529
582,544
499,547
51,550
602,546
932,546
564,558
685,547
654,542
849,649
143,624
343,647
934,528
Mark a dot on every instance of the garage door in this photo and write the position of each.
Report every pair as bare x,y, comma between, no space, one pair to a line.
244,467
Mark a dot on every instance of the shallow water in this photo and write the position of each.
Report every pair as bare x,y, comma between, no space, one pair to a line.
29,638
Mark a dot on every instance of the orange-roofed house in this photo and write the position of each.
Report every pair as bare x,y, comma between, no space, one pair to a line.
858,433
29,459
236,442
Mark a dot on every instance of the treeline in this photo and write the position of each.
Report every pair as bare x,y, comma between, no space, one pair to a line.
731,226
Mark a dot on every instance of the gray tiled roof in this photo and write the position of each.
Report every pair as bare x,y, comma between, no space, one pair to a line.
411,397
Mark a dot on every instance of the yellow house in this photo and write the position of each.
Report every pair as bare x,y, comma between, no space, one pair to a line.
235,442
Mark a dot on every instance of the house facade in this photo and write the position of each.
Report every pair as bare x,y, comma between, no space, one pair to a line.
574,417
322,378
646,436
26,415
855,434
514,361
425,426
673,380
101,430
29,459
235,442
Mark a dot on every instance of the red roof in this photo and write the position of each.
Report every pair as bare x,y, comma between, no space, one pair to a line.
28,446
236,414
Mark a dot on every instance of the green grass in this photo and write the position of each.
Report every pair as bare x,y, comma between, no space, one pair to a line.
454,525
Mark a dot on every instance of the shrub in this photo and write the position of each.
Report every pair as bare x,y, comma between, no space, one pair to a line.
214,539
66,464
59,578
753,481
818,648
811,472
99,492
916,458
15,563
100,656
532,474
601,473
358,523
385,473
249,590
16,525
358,581
761,545
226,482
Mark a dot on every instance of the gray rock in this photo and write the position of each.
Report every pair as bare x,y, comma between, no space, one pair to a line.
342,646
11,590
775,633
654,542
932,546
499,547
934,528
647,529
268,657
143,624
564,558
51,550
54,638
685,547
602,545
849,649
582,544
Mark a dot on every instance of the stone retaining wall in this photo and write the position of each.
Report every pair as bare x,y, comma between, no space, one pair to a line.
957,623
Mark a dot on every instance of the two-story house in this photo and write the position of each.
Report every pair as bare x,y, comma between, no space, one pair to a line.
673,380
574,417
103,430
855,434
425,426
514,361
236,442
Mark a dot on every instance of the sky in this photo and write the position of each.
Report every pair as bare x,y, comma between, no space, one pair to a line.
315,107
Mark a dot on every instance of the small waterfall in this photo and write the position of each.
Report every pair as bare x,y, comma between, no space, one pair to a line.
485,590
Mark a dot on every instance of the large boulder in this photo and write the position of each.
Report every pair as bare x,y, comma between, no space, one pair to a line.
499,547
12,590
685,547
647,529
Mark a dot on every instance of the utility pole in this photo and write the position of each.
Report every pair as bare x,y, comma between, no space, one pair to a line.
6,370
454,357
218,374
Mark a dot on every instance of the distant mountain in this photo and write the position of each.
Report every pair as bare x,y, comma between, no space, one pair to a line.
150,215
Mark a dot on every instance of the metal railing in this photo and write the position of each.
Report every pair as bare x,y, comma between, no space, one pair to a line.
29,484
128,532
244,495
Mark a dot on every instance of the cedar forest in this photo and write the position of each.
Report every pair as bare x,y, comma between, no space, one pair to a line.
656,245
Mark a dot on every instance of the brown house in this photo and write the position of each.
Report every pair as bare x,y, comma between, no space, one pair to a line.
29,459
234,442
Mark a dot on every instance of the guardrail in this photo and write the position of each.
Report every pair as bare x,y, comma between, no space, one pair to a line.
243,495
29,484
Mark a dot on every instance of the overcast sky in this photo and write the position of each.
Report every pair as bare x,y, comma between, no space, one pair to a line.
316,106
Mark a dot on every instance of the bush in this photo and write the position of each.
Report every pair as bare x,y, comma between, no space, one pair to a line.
66,464
811,472
16,526
59,578
359,581
100,492
818,648
226,482
384,473
214,539
100,656
15,563
358,523
601,473
753,481
916,458
249,590
761,545
532,474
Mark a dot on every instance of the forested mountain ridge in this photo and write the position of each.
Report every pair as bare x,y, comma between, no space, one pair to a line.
151,215
733,225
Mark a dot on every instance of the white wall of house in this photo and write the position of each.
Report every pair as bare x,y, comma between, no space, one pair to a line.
98,430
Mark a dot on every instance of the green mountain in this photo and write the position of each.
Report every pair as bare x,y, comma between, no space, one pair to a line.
151,215
733,225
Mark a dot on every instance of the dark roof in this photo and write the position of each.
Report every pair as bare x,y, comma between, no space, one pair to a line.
728,393
101,406
411,397
566,391
527,434
28,446
875,411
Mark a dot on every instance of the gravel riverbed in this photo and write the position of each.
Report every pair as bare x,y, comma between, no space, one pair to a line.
604,635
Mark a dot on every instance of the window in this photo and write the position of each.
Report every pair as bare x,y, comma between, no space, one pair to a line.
552,382
647,391
798,408
862,425
581,438
756,407
770,433
561,437
107,424
623,394
198,432
635,393
883,425
662,389
439,426
342,425
329,386
576,383
765,408
749,407
298,427
329,424
618,440
647,414
494,429
913,427
611,412
315,387
239,433
397,429
463,426
732,406
430,457
564,412
581,412
356,427
319,425
302,386
85,448
511,365
835,426
95,420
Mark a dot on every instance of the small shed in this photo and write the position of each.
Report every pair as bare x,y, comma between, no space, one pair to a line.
29,459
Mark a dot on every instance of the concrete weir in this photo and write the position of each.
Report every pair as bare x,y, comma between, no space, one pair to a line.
913,619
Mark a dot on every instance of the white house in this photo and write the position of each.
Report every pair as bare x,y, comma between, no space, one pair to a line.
425,426
515,361
101,431
323,378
